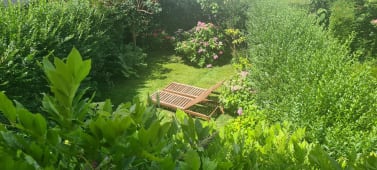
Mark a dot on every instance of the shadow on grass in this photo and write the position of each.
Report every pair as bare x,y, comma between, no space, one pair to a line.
125,90
221,61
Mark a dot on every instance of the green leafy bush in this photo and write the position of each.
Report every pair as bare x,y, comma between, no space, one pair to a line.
75,133
202,45
237,95
52,29
37,29
346,18
226,13
304,76
342,19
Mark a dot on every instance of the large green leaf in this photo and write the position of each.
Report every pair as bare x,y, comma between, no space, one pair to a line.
192,160
7,108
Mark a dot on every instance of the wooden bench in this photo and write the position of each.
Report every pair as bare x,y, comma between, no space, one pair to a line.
182,96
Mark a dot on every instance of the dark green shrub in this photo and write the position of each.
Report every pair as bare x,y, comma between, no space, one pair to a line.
342,19
226,13
40,29
52,29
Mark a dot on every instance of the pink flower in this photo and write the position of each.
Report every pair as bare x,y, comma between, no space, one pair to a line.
235,88
200,25
244,74
215,57
221,52
205,44
201,50
374,22
239,111
209,65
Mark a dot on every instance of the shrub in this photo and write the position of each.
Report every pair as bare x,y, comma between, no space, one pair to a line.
76,133
342,19
305,76
47,29
52,29
226,14
237,94
202,45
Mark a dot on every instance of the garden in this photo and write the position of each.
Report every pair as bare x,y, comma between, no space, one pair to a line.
299,90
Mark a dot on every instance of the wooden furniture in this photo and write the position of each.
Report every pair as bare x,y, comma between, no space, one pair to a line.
182,96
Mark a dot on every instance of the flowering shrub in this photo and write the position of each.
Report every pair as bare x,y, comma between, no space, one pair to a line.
158,39
236,95
201,45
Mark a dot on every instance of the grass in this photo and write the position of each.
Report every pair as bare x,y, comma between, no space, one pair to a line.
163,68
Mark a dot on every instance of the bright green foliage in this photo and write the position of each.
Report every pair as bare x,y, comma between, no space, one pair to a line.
237,95
202,45
36,29
304,76
257,145
65,79
80,134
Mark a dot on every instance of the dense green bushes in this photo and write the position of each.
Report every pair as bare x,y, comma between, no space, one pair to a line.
38,29
350,18
303,75
76,133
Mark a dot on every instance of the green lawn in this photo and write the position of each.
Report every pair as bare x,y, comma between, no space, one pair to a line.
165,67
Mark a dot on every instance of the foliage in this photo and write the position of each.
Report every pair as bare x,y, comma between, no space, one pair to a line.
342,18
303,75
347,18
237,94
76,133
52,29
132,16
133,57
202,45
47,29
236,37
179,14
226,13
81,134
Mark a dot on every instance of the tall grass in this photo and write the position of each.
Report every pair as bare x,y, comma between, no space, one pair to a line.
305,76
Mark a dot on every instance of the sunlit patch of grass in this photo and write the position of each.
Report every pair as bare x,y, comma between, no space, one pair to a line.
164,68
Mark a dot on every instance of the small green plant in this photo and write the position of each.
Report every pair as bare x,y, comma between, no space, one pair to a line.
237,95
202,45
133,57
236,38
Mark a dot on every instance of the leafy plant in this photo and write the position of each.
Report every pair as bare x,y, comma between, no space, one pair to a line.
76,133
303,75
226,13
132,58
